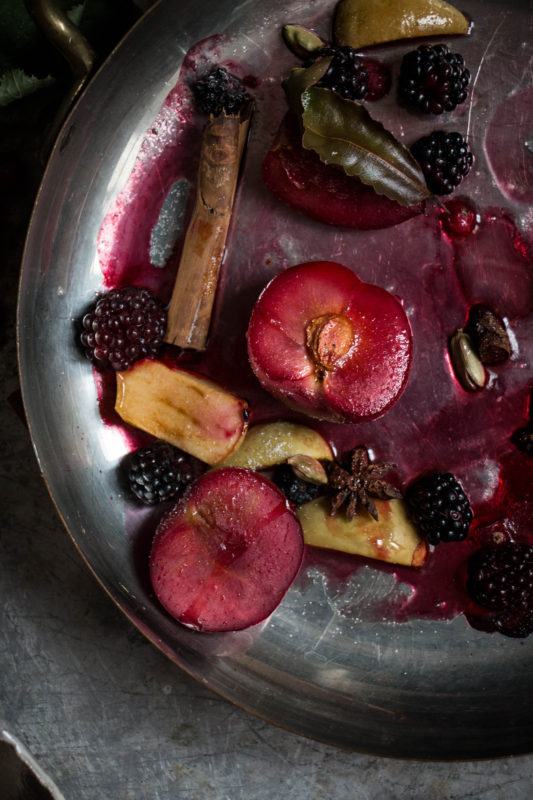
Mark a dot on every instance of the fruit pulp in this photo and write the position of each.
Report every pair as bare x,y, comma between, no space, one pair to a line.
436,425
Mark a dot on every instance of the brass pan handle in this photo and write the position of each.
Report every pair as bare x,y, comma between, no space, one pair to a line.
73,46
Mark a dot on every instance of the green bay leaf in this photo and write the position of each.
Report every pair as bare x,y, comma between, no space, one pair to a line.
303,78
343,133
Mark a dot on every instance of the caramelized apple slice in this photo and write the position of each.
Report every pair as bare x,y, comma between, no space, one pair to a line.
391,538
359,23
226,554
329,345
272,443
184,409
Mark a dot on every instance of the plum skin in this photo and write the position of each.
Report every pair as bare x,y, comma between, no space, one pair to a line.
329,345
226,554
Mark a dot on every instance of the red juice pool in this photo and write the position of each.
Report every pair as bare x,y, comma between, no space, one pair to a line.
436,425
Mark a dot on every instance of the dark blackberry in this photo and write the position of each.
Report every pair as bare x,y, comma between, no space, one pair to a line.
294,488
500,579
440,508
125,325
160,472
433,79
347,74
445,160
219,91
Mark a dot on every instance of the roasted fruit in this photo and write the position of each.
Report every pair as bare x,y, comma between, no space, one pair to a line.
187,410
329,345
500,579
360,23
445,159
226,554
160,472
433,79
325,192
219,91
458,218
392,537
346,73
125,325
440,508
271,443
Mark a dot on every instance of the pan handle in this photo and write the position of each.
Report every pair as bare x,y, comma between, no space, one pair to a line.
73,46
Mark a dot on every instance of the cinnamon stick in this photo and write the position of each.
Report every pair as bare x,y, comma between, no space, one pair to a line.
189,313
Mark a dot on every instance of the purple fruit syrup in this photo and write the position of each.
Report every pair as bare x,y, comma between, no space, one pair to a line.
438,270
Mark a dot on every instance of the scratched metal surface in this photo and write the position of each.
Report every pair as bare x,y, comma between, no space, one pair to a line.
88,694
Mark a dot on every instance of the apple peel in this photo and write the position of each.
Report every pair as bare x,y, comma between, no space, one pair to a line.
392,538
270,443
187,410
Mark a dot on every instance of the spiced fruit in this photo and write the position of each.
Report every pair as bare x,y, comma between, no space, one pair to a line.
433,79
124,326
328,344
500,579
218,91
226,554
440,508
360,23
160,472
445,159
182,408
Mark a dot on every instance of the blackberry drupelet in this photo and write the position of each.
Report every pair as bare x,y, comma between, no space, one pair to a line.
296,490
347,74
160,472
440,508
433,79
445,160
125,325
219,91
500,579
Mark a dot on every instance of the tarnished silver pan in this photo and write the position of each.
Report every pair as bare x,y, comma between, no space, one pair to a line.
416,689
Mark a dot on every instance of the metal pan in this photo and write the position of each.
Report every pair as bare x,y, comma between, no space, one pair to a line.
419,689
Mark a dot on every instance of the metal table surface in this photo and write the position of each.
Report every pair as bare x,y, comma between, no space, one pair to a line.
105,714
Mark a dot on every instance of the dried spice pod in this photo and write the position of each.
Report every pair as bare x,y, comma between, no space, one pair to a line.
308,468
488,335
467,367
301,41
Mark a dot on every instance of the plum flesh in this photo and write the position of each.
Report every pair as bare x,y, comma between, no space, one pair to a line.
224,557
328,344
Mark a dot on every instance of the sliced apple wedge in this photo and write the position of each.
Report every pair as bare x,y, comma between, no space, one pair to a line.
392,538
182,408
359,23
271,443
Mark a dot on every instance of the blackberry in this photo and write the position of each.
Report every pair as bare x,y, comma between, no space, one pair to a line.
500,578
347,74
219,91
433,79
440,508
160,472
296,490
445,160
125,325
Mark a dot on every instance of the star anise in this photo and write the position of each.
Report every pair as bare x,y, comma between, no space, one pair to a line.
357,482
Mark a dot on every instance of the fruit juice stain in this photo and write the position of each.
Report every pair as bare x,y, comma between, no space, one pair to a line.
437,272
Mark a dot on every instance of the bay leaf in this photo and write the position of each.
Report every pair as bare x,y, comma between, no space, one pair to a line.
303,78
343,133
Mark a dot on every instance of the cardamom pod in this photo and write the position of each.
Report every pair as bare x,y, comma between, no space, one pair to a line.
308,468
301,41
468,369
